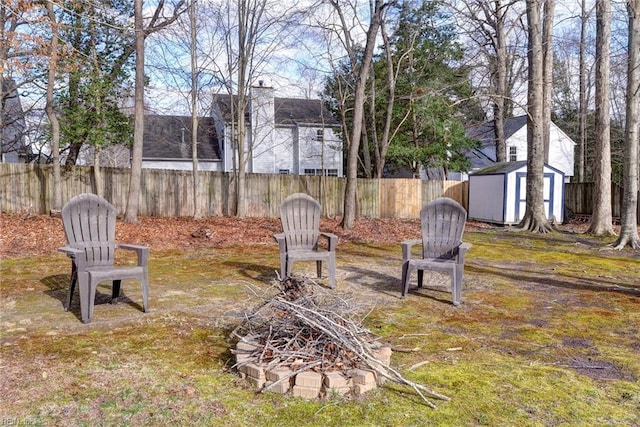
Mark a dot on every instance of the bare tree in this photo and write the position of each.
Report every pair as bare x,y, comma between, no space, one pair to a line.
601,219
156,23
253,32
547,60
493,27
197,210
628,220
534,217
375,17
51,112
133,201
582,118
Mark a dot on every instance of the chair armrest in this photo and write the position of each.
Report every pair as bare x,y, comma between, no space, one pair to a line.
282,241
406,248
141,251
332,239
76,255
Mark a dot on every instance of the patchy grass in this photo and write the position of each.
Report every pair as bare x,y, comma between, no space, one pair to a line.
548,334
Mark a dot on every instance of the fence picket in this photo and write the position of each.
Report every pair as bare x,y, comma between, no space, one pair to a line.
29,188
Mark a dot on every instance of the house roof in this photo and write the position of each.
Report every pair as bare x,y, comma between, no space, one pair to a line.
485,154
500,168
485,131
12,135
504,168
288,111
169,137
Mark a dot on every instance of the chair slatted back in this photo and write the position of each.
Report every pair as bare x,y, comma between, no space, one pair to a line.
90,224
300,216
442,222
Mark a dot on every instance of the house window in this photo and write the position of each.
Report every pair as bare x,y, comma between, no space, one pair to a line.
319,135
513,154
283,171
318,172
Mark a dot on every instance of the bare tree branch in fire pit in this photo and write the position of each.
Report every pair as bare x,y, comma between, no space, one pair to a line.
303,328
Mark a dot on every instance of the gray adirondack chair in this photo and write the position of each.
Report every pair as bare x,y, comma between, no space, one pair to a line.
442,222
90,224
300,217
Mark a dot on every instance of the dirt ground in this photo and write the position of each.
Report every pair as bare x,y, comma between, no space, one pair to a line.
548,324
37,235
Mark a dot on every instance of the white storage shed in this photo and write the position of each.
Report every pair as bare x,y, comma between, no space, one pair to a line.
498,193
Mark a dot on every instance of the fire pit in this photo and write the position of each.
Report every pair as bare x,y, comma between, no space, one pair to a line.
304,339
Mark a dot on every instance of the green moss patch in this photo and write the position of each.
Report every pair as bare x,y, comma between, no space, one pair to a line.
547,335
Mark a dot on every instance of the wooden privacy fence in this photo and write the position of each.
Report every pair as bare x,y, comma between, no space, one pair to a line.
578,199
169,193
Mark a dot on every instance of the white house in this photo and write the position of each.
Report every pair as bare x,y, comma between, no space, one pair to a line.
561,147
284,135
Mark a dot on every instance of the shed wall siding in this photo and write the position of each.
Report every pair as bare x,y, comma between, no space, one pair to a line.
486,198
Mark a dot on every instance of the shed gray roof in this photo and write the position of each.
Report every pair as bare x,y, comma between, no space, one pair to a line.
500,168
504,168
164,138
288,111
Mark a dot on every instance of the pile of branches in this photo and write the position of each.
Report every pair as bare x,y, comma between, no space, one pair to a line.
303,327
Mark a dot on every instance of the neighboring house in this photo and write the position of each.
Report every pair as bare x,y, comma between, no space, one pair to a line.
167,143
561,147
12,141
284,135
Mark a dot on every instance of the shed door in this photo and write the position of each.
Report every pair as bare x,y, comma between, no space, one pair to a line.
521,194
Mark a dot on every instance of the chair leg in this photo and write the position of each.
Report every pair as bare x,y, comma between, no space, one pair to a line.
115,291
456,284
145,291
287,268
420,277
86,301
406,272
72,286
319,269
283,266
331,266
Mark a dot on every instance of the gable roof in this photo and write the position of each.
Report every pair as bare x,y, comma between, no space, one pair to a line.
485,131
485,154
169,138
288,111
13,122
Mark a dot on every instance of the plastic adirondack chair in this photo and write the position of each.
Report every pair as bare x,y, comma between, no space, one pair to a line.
442,222
300,216
90,224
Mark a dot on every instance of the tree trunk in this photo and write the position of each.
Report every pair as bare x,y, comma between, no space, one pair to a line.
51,113
197,211
358,109
583,94
534,217
628,219
391,94
97,172
547,61
601,219
500,83
131,214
